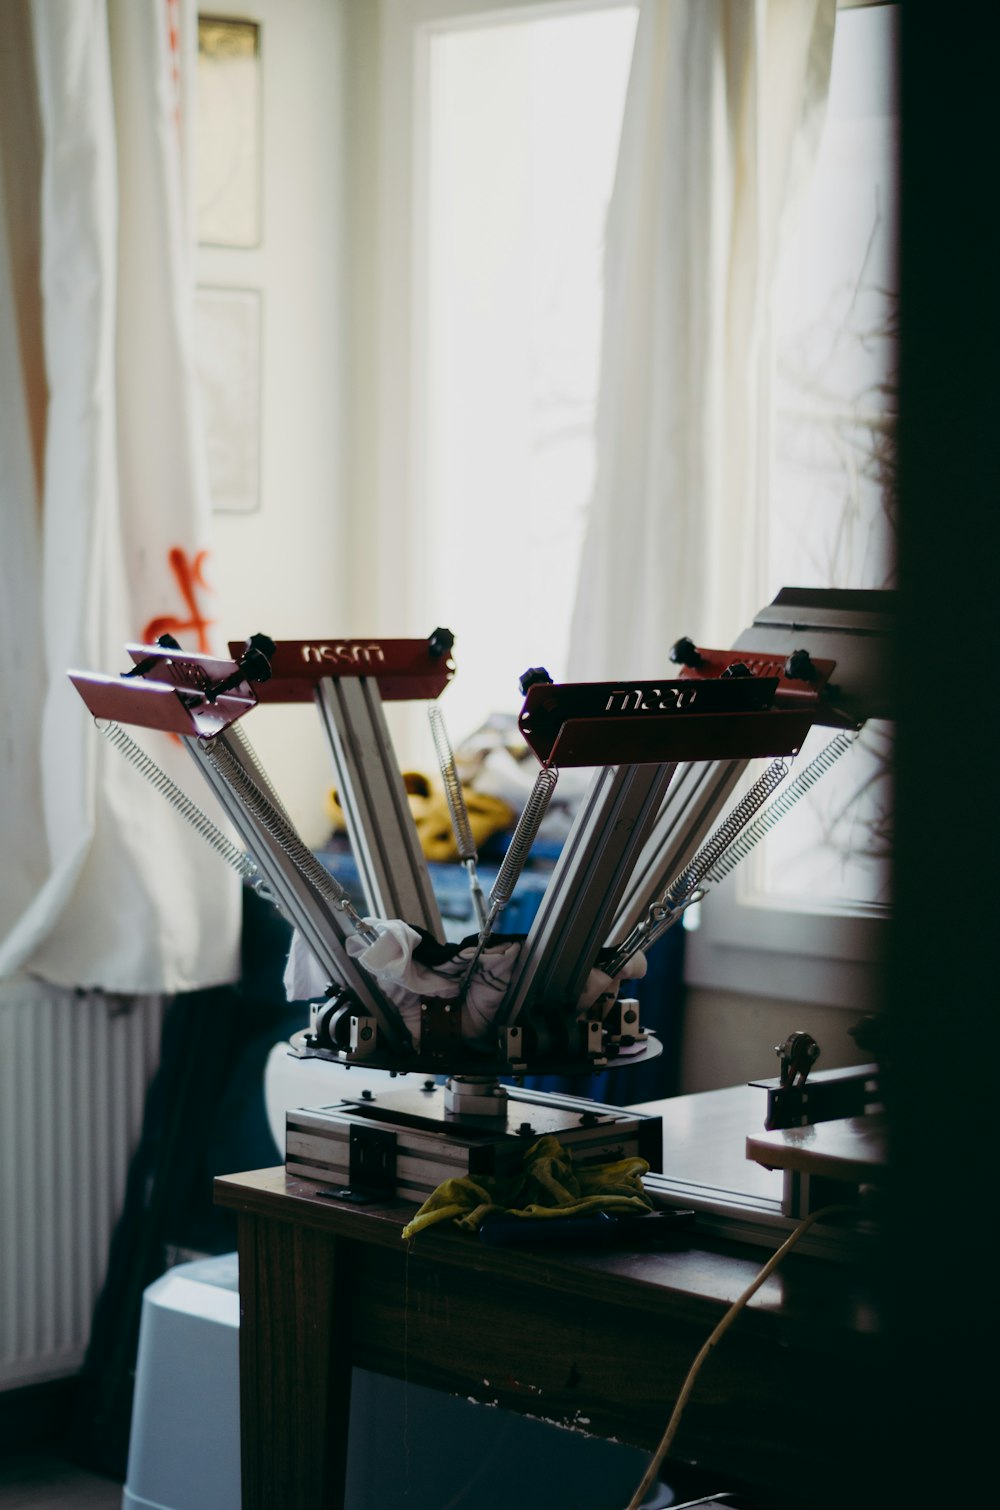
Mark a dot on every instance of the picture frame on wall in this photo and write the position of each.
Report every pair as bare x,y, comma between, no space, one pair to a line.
228,138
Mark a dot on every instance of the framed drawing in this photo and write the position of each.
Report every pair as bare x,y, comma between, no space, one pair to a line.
227,148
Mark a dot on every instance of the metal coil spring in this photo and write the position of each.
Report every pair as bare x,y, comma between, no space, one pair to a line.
684,888
238,859
719,842
773,814
261,777
452,786
513,863
523,838
259,805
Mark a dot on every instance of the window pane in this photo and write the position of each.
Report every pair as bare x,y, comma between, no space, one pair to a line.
832,498
524,121
832,487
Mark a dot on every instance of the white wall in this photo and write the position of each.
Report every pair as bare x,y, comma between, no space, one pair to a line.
282,570
730,1038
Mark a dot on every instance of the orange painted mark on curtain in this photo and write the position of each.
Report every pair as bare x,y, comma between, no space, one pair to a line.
188,573
174,51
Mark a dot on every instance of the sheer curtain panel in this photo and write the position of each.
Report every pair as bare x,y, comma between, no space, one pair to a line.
104,512
723,112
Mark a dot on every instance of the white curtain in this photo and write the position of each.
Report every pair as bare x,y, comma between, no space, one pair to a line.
723,113
104,513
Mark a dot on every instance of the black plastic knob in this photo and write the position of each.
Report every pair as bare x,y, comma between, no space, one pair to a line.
166,642
440,642
255,662
737,669
684,652
799,666
254,665
532,678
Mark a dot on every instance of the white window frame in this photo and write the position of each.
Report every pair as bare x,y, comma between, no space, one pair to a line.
830,959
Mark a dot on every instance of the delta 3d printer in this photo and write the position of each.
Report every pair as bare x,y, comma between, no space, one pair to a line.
645,843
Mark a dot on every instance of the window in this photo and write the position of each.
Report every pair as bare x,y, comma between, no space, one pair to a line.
486,289
517,117
817,888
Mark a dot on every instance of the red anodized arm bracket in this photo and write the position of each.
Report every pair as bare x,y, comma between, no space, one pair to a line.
405,670
721,704
604,723
790,691
170,690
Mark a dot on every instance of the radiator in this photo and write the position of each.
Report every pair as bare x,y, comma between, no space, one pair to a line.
74,1067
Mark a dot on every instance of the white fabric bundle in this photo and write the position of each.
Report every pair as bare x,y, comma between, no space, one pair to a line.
405,980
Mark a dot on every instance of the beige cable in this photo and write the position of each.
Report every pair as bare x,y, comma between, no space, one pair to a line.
666,1441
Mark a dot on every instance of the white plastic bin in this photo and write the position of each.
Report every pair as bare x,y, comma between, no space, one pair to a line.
184,1446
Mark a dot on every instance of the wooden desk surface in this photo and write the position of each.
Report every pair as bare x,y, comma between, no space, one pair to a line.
704,1140
848,1148
699,1277
599,1341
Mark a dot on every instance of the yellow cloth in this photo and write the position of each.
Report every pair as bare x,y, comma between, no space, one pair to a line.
547,1185
429,809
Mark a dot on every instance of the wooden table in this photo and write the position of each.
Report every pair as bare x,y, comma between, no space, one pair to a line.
851,1149
788,1403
